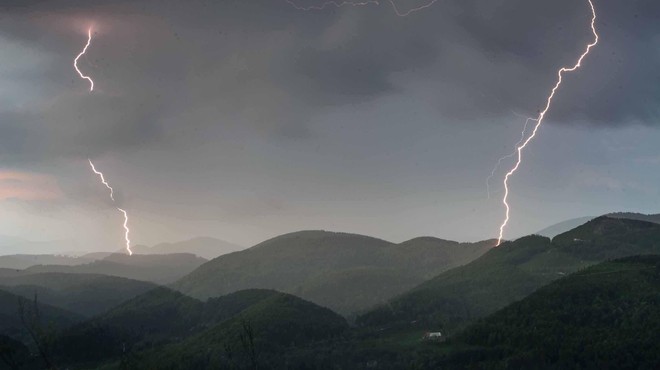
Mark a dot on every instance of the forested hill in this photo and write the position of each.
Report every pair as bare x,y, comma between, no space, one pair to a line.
605,317
345,272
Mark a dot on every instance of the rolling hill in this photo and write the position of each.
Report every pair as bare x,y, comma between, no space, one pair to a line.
162,325
345,272
158,315
257,337
510,273
84,294
204,247
604,317
564,226
159,269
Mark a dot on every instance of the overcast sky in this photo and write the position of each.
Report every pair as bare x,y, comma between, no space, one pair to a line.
244,119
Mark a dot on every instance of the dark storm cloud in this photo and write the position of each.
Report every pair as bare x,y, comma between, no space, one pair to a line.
168,70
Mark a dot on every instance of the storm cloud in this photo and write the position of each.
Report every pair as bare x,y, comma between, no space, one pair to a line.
262,93
263,64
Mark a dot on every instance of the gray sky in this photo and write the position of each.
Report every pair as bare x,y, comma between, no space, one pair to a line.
247,119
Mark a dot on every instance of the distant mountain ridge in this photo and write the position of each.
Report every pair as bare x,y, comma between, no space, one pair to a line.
23,261
345,272
204,247
159,269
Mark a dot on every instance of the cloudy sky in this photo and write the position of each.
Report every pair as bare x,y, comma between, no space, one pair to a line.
247,119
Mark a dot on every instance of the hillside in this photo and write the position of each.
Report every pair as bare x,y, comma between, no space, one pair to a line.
160,269
84,294
162,324
320,266
604,317
10,320
511,272
257,337
564,226
155,316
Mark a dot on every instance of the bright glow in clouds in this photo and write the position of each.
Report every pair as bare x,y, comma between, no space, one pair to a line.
126,229
75,61
539,120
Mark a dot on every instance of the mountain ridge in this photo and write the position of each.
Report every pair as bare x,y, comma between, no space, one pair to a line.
511,272
292,262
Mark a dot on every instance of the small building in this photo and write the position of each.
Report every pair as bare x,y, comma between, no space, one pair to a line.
433,336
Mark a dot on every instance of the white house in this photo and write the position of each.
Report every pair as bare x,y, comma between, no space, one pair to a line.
433,335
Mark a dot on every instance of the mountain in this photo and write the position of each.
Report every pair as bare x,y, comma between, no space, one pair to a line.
84,294
345,272
23,261
202,246
160,269
567,225
511,272
604,317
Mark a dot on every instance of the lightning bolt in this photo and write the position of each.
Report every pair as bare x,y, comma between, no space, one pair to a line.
413,10
499,162
339,4
541,116
91,164
75,61
126,229
112,192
